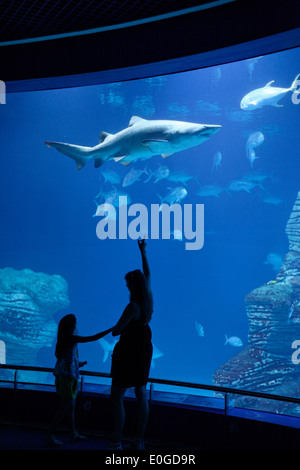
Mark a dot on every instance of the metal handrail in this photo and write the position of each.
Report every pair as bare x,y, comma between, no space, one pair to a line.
176,383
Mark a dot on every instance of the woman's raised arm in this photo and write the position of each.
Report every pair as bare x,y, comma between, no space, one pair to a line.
146,268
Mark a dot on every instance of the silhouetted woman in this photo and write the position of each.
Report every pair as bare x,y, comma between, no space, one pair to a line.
132,354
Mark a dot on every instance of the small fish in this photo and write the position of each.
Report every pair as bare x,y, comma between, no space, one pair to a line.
210,190
217,160
254,140
272,200
132,176
257,177
174,195
180,177
110,198
107,347
199,328
160,173
156,355
250,63
233,341
216,75
243,185
275,261
111,176
267,95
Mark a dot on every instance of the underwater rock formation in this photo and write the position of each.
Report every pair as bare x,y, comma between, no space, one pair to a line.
273,311
28,301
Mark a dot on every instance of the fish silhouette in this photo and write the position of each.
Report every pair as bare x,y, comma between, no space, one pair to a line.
267,96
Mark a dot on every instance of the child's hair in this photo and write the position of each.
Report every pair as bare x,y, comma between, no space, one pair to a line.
140,294
65,331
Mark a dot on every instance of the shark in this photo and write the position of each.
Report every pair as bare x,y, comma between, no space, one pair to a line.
267,95
109,347
141,140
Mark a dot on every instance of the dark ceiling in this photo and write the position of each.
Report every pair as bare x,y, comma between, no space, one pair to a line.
31,19
207,30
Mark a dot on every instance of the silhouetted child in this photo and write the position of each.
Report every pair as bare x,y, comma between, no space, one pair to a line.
66,372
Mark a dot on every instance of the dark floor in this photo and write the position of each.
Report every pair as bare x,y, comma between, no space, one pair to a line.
24,437
30,438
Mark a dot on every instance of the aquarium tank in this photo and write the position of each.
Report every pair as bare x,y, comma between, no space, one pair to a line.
203,164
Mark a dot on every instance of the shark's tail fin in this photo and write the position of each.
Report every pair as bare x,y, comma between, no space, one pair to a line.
295,83
80,154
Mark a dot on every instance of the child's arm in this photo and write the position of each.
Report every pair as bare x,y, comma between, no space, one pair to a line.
88,339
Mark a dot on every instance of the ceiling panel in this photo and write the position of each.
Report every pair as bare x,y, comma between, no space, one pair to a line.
30,19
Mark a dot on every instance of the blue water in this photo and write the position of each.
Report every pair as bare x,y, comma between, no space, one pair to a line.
47,206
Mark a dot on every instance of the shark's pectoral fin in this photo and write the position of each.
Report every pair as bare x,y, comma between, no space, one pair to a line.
166,155
155,146
121,160
80,164
117,159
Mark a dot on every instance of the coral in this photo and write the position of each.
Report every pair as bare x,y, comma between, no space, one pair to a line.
273,311
28,301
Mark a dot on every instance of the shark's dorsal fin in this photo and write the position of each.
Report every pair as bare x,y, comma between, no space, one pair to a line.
135,119
103,135
270,83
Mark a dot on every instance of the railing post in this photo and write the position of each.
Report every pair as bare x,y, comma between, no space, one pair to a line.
226,404
225,420
13,405
148,432
150,393
16,380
